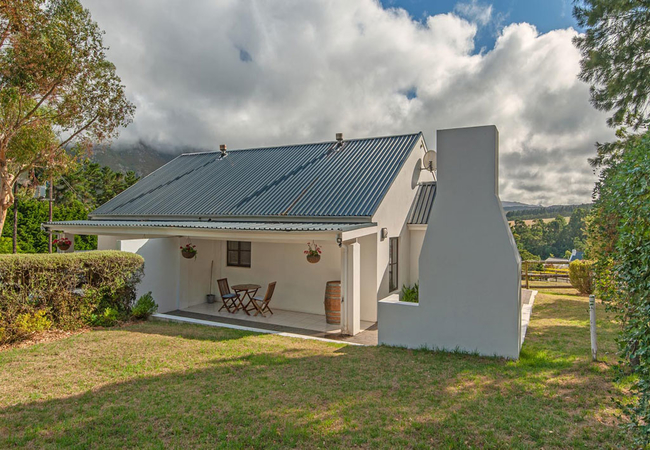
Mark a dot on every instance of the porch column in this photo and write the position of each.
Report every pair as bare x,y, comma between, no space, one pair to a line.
351,289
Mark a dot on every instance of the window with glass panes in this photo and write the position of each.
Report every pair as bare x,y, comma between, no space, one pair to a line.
239,254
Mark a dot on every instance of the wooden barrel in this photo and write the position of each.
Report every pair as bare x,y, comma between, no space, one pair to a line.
333,302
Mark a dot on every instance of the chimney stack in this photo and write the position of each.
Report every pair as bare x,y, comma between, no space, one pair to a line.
339,137
222,147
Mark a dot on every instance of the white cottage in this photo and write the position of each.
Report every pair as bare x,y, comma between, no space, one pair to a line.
251,212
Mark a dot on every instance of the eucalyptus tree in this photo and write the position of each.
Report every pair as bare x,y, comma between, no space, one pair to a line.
58,91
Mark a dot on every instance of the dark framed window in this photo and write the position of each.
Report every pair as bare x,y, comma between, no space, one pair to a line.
393,264
239,254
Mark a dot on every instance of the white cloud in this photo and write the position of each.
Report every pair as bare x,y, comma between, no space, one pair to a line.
474,11
250,73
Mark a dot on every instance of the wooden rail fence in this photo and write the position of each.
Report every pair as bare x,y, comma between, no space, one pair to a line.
548,273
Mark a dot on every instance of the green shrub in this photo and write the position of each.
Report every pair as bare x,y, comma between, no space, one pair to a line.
107,318
581,276
410,294
72,287
144,307
619,240
32,322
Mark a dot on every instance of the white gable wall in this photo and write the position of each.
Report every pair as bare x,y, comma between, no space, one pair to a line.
393,213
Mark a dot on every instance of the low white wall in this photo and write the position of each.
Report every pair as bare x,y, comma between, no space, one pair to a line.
161,268
469,264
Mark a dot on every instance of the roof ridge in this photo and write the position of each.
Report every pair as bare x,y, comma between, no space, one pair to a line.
275,147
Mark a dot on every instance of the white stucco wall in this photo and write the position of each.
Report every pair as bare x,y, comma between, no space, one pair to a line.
161,268
393,213
416,240
469,264
195,272
368,277
107,242
300,284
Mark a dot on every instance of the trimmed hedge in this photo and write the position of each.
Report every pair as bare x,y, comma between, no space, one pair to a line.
64,290
581,275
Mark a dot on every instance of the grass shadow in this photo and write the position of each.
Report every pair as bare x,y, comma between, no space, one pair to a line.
306,396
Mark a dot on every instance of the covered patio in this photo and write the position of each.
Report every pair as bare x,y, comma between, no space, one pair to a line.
251,253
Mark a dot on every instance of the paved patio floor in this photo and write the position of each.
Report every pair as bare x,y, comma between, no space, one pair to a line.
313,325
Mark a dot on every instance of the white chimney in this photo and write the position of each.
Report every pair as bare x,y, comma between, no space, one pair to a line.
469,264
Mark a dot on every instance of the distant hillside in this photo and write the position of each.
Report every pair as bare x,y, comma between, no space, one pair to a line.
516,206
545,212
140,158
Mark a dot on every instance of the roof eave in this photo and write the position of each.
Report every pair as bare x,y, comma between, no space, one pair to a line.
210,218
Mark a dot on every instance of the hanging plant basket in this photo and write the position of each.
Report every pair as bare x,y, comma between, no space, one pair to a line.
62,243
188,251
313,252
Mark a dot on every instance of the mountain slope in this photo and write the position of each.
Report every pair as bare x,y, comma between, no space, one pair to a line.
140,158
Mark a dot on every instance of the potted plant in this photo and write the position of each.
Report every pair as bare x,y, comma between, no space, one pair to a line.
62,243
188,251
313,252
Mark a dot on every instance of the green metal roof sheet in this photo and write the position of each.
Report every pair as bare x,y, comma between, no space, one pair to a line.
422,203
306,181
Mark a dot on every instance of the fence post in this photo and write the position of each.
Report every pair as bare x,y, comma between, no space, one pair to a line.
526,263
592,322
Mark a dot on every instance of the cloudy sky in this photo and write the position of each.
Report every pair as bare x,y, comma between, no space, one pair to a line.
253,73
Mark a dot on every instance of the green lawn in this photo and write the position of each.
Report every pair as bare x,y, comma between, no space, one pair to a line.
157,385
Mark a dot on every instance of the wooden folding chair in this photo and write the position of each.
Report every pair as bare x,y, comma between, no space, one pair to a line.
229,299
261,304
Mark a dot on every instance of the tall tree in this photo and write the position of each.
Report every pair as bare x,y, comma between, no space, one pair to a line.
57,89
616,57
616,61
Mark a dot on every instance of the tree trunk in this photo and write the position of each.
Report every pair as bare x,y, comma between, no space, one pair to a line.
15,233
49,232
6,193
3,216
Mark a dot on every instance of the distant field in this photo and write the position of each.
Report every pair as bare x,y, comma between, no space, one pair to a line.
530,221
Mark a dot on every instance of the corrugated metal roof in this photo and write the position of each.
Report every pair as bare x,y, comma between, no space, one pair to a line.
249,226
421,207
310,180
